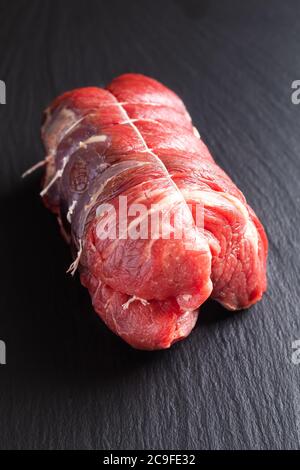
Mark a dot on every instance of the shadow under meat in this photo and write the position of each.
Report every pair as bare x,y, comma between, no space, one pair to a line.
212,312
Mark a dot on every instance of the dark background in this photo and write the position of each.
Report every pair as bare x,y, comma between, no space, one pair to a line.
69,382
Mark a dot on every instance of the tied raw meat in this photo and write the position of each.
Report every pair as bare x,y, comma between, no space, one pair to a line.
135,139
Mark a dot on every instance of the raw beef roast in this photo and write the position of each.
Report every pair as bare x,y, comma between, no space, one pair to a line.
134,141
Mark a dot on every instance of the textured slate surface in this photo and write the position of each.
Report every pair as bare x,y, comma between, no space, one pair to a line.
70,383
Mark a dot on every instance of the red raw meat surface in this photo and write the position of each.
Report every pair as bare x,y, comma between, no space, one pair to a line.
135,139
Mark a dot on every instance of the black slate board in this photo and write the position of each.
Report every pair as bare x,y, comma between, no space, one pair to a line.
70,383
